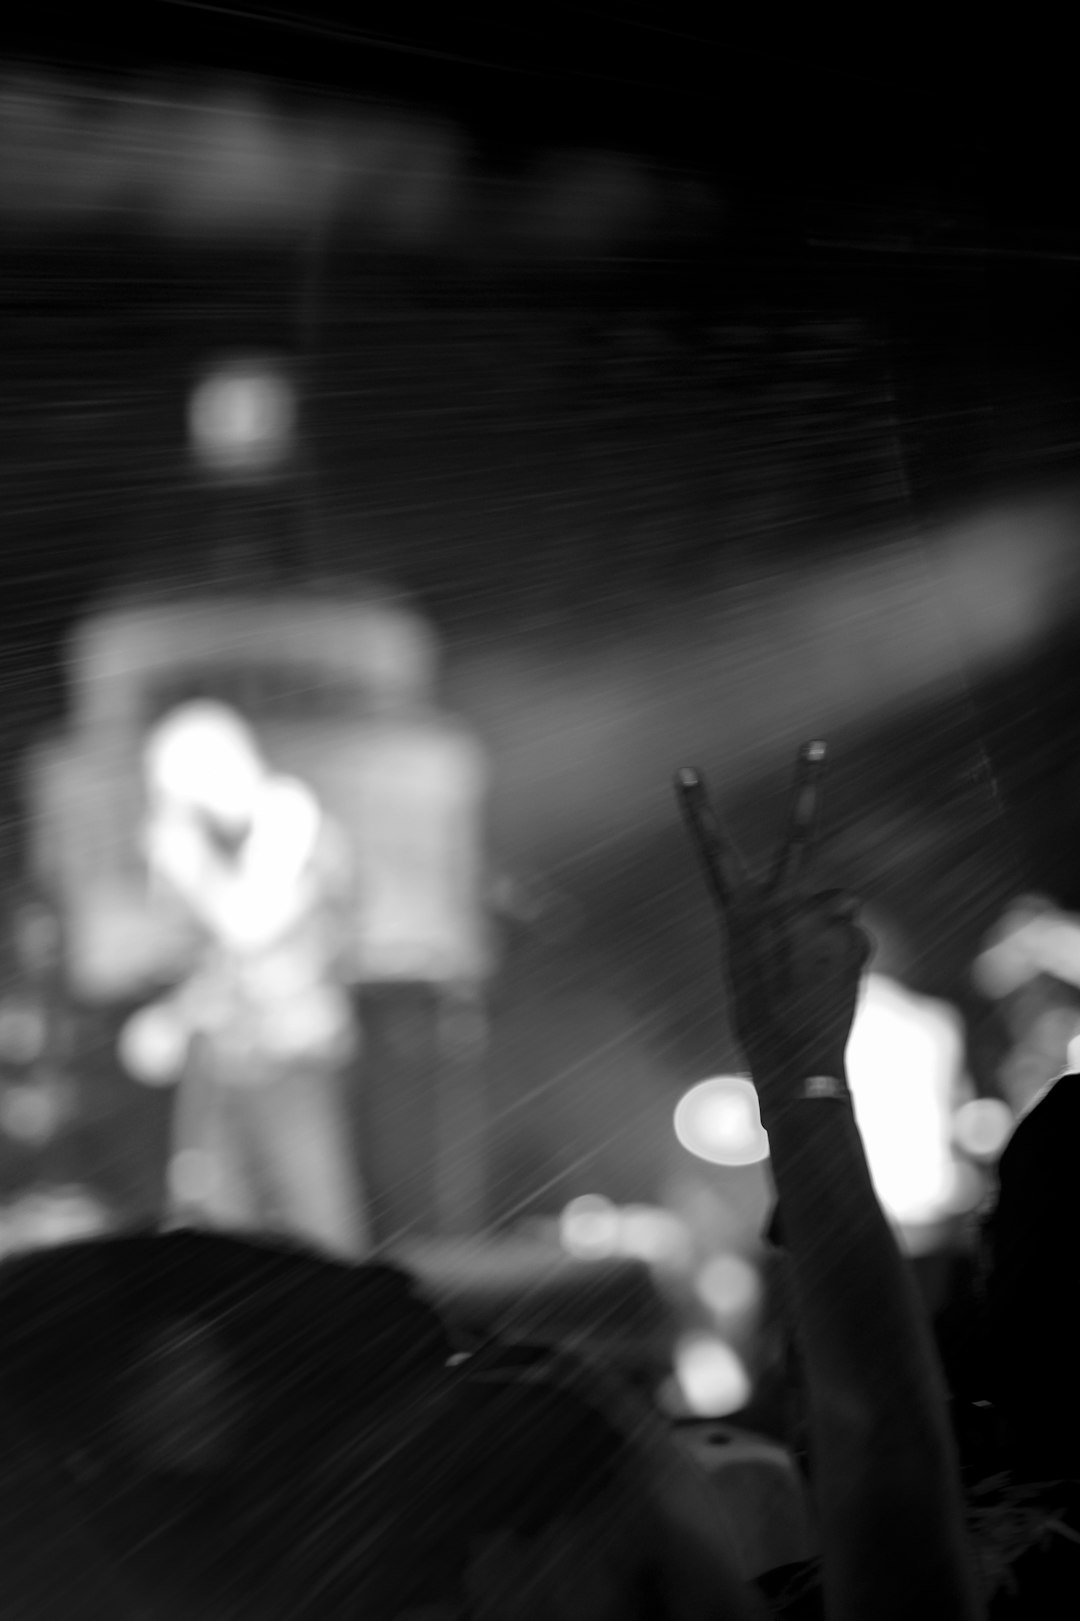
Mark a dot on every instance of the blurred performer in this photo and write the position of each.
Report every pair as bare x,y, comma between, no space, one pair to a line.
38,1093
260,1035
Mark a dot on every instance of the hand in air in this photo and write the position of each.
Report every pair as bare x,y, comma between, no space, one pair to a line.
794,956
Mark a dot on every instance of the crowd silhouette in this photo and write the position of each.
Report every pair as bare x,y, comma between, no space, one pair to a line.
196,1423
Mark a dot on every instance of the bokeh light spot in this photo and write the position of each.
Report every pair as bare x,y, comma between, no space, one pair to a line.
711,1376
589,1228
718,1120
242,419
982,1127
728,1285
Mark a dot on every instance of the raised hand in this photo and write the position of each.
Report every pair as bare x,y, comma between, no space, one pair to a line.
794,957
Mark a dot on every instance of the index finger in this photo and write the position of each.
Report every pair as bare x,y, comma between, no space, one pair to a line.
719,858
798,844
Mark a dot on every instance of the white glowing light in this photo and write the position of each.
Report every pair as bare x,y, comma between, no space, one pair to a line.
982,1127
718,1120
589,1228
242,418
153,1045
729,1285
203,754
711,1377
904,1061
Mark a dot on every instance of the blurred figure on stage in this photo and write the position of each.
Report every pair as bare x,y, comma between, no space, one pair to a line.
39,1095
259,1037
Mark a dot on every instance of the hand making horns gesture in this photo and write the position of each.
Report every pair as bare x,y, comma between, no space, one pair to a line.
794,957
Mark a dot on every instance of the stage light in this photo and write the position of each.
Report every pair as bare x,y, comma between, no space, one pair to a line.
718,1120
982,1127
711,1378
903,1062
589,1228
242,419
153,1046
204,754
728,1285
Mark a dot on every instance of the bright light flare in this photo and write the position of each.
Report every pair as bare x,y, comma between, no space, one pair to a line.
718,1120
710,1375
904,1064
204,754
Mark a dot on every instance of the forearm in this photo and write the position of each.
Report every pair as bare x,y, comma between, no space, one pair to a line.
859,1313
885,1475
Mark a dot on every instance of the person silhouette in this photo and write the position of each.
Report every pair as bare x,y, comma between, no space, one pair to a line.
258,1036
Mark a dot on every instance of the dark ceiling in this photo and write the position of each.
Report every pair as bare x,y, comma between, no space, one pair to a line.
676,79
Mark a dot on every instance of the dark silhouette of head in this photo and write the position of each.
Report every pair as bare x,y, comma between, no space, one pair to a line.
252,1431
245,1426
1032,1240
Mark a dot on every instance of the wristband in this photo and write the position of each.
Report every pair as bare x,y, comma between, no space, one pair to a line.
825,1086
815,1089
